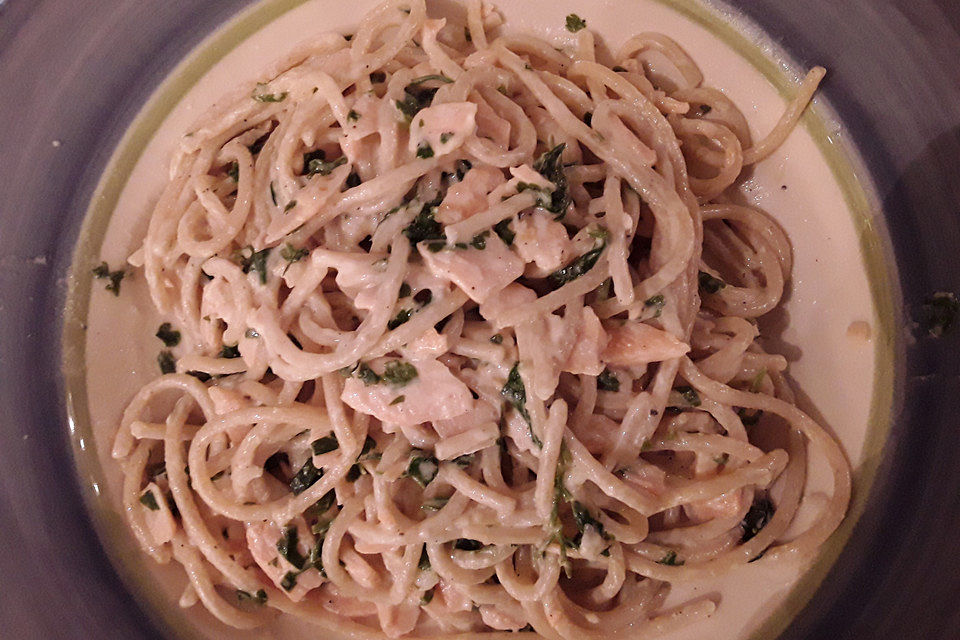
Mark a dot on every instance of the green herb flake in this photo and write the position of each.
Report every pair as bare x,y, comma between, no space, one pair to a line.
368,375
684,397
234,171
167,363
577,268
445,137
503,230
149,501
423,468
398,373
290,205
291,254
550,166
709,284
426,598
608,381
434,504
326,444
260,94
102,271
656,303
166,334
402,317
289,581
759,515
398,400
757,383
670,559
435,247
318,166
722,460
479,241
496,338
938,313
260,597
353,116
306,477
575,23
425,225
424,151
287,547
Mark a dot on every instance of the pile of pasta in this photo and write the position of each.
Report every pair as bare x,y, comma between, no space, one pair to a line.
463,338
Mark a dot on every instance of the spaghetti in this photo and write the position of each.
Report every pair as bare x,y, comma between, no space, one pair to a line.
469,341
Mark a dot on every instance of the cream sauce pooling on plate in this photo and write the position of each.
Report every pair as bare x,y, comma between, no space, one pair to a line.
795,184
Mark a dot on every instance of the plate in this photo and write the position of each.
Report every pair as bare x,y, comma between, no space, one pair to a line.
67,112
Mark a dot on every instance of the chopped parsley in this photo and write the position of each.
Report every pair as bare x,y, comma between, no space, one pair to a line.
670,559
149,501
325,444
287,547
655,302
582,517
398,400
234,171
260,597
578,267
434,504
438,77
289,581
445,137
479,241
608,381
291,254
417,97
759,515
169,337
254,260
315,163
503,230
260,95
306,477
353,116
425,225
426,598
496,338
166,362
423,468
684,397
709,284
402,317
575,23
398,373
549,165
514,393
722,460
937,313
757,383
102,271
424,151
368,375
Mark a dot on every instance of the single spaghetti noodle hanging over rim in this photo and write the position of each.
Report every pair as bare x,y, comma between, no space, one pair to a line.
463,338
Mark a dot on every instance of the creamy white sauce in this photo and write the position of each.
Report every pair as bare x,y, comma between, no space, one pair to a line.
829,289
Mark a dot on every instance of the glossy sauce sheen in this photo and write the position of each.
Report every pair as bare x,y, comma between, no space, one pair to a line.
834,368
